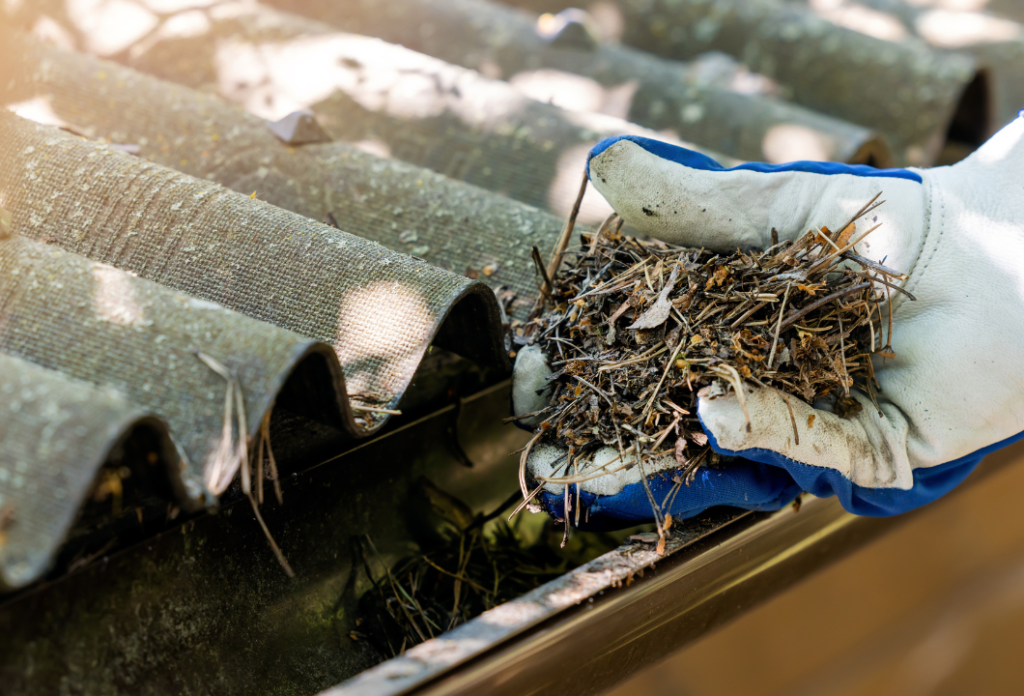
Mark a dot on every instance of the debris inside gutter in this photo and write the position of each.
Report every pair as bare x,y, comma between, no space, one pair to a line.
466,564
632,331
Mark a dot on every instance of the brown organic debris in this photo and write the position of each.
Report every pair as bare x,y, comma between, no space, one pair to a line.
633,329
477,562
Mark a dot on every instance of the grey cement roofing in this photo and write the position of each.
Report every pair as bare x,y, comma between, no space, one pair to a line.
170,265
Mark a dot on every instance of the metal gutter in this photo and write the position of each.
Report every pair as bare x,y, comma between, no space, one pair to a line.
576,635
605,620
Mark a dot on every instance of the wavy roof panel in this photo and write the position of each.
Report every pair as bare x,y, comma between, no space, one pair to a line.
557,59
452,225
57,432
398,102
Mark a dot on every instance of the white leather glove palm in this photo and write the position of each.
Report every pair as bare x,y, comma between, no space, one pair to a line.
955,389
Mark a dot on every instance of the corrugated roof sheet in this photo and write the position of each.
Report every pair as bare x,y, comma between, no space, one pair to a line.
278,297
57,431
452,225
393,100
566,64
994,37
906,91
243,263
249,256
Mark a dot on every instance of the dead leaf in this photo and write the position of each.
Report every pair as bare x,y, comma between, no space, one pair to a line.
659,311
847,407
718,278
845,235
680,447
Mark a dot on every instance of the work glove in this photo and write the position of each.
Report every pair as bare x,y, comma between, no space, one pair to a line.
952,392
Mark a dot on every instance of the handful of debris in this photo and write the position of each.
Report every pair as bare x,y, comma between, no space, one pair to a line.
633,329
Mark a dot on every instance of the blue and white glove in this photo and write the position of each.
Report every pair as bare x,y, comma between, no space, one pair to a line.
953,393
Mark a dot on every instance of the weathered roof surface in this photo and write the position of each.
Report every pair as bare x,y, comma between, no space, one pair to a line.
93,322
906,91
995,37
577,72
56,433
1003,61
248,267
249,256
407,105
348,309
450,224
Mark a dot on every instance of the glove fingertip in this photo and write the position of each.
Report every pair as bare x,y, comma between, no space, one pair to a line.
530,389
666,151
721,415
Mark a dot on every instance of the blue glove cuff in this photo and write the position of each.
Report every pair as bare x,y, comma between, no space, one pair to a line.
696,160
929,483
743,484
764,480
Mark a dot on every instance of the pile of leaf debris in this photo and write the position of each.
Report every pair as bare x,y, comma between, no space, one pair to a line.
634,329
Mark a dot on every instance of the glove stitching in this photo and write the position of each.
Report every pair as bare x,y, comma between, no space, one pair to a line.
934,201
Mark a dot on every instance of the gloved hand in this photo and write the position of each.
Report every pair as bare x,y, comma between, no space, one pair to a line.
955,389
